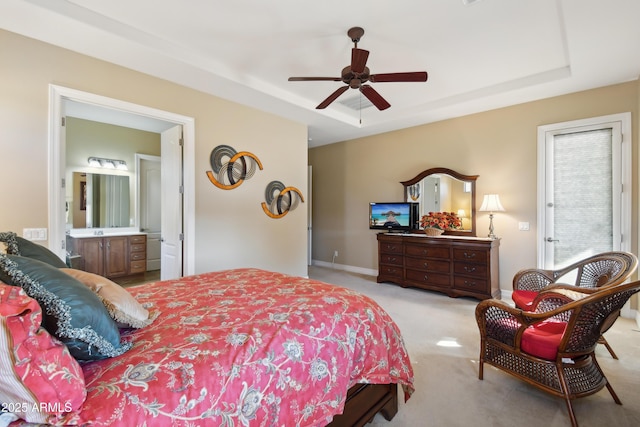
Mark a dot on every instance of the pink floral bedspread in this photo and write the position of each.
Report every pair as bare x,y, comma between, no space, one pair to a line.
245,347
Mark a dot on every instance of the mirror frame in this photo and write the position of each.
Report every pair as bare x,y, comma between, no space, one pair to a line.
465,178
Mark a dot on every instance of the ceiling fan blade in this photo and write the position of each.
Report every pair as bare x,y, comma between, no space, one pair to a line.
358,59
309,79
375,98
332,97
418,76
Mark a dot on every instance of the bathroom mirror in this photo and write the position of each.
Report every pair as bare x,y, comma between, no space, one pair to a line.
445,190
99,201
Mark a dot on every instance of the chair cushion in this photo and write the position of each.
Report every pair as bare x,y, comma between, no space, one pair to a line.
524,299
542,339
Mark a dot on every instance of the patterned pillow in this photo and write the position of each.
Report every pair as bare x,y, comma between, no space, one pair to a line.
39,380
72,313
17,245
120,304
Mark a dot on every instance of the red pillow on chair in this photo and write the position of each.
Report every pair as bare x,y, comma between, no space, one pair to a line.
542,339
524,299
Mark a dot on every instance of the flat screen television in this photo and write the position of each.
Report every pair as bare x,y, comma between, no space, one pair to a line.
399,216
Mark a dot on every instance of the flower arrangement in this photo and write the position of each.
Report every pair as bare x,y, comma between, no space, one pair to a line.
441,220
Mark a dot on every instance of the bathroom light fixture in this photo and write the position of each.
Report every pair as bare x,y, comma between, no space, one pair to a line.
98,162
491,203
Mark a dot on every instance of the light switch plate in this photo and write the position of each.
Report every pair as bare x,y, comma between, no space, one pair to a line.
523,226
34,233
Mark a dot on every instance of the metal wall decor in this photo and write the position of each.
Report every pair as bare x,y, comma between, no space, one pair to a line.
231,168
280,199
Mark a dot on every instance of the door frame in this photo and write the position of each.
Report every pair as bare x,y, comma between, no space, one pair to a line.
625,162
57,146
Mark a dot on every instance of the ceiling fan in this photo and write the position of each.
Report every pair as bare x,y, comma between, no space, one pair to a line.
357,74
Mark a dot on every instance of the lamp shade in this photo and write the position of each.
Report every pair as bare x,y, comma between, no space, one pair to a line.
491,203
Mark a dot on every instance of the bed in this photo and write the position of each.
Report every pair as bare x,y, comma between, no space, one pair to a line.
248,347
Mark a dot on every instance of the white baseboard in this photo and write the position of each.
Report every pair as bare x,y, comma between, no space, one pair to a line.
349,268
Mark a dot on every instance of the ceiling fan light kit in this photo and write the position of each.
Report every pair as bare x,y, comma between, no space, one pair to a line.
356,75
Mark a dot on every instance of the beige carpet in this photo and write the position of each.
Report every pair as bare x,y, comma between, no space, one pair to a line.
448,391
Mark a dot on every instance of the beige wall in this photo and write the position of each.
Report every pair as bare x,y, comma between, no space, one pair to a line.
500,146
231,228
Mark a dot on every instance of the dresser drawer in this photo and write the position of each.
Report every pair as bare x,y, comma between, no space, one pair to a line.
470,269
473,255
390,272
390,248
138,267
394,259
470,284
137,256
138,248
427,251
138,239
424,277
432,265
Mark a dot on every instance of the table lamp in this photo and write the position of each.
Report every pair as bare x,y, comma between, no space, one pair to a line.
491,203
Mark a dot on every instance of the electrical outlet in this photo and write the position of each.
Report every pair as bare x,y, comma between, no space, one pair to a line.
335,254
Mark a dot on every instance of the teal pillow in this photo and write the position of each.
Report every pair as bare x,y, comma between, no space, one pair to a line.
17,245
71,311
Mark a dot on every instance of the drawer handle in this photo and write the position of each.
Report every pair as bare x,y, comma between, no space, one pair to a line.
470,284
469,269
426,277
469,255
425,265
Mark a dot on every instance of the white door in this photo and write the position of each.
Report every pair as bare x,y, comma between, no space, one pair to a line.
583,209
150,175
171,204
431,195
150,199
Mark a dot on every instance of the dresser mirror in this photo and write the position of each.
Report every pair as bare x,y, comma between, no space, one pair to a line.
445,190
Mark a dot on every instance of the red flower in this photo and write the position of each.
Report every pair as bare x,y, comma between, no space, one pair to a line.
441,220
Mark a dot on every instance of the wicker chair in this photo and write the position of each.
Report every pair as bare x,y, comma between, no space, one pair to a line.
605,269
553,347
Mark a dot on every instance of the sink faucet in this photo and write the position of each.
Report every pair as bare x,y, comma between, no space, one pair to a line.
98,233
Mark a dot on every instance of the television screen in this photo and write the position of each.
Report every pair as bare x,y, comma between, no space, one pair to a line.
393,216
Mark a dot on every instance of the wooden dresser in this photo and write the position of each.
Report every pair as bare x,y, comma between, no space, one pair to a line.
454,265
110,256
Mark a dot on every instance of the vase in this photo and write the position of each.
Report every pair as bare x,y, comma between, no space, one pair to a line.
433,232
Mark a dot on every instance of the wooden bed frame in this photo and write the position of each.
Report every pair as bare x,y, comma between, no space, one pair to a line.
364,401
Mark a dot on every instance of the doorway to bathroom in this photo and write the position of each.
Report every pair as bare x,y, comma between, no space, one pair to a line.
60,98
